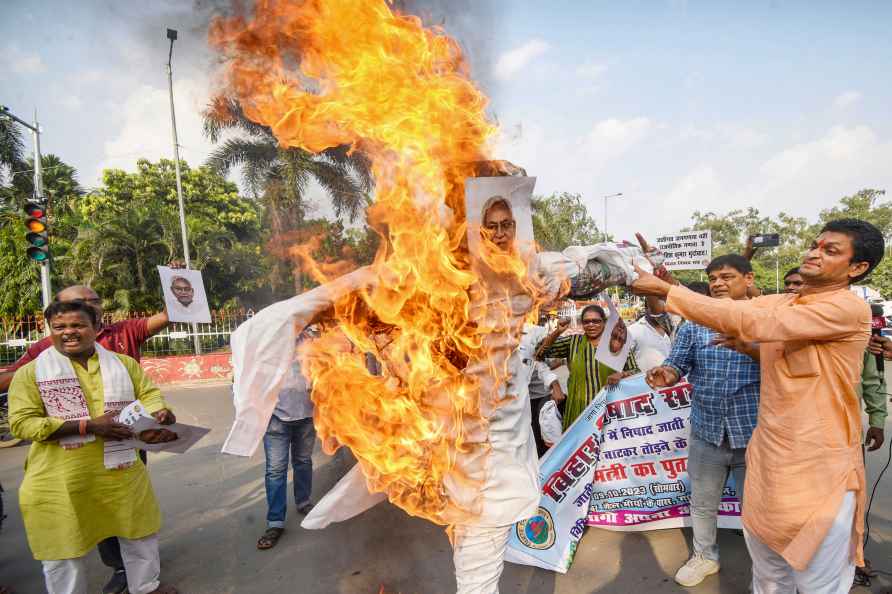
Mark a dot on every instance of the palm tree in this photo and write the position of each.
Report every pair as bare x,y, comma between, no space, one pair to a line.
12,148
279,176
118,248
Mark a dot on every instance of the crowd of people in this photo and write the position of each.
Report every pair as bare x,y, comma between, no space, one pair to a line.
778,384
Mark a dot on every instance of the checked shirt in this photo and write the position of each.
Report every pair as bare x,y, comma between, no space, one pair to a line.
725,399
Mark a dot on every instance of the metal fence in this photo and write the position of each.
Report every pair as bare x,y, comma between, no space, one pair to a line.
17,334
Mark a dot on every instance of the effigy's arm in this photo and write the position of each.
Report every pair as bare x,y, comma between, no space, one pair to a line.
263,349
581,272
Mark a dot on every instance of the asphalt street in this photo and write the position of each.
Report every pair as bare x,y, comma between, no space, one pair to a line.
214,509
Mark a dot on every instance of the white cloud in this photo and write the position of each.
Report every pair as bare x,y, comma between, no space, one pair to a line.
22,62
801,179
513,61
144,130
700,189
570,163
847,99
815,174
70,101
589,77
591,70
612,137
733,135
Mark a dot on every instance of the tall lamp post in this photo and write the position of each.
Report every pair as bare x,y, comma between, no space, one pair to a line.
617,195
172,36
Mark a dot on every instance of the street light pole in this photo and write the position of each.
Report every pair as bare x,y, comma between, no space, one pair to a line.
172,36
777,270
46,291
617,195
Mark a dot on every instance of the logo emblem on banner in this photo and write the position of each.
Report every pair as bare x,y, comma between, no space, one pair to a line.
537,532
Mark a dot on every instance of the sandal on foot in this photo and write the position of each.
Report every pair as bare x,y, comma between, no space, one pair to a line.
269,538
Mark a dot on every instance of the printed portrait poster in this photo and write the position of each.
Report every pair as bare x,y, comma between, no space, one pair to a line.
613,348
184,295
500,219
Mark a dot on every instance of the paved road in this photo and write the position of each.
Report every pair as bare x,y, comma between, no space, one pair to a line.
214,510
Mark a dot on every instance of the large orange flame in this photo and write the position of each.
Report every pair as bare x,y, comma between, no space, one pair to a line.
324,73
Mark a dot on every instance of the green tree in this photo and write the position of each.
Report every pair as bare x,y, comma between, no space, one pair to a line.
19,275
131,225
561,220
730,232
867,205
12,149
279,178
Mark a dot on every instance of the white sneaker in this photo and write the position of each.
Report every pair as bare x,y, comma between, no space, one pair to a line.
697,569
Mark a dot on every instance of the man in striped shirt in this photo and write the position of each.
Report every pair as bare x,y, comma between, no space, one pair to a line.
724,408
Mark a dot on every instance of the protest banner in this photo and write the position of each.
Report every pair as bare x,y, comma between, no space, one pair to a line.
621,466
686,250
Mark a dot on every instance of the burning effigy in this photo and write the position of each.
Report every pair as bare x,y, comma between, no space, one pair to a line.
443,430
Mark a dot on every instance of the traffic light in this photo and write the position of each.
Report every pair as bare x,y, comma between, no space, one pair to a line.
35,221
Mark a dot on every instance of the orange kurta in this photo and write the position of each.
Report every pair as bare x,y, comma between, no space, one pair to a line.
806,450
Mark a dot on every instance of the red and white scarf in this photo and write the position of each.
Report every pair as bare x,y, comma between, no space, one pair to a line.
64,398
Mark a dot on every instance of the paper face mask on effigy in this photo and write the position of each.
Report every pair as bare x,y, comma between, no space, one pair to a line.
499,216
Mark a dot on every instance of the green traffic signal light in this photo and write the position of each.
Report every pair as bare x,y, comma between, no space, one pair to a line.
36,224
37,239
38,254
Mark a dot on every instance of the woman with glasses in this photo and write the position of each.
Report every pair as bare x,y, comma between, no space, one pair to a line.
587,374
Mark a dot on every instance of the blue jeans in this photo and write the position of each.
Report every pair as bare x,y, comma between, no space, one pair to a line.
708,468
282,437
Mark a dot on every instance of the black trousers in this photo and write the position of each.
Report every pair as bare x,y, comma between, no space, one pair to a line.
535,407
110,548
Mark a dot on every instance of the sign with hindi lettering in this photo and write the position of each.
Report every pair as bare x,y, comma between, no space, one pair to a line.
686,250
621,466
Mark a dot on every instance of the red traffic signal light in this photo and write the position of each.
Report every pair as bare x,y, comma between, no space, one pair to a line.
37,238
34,209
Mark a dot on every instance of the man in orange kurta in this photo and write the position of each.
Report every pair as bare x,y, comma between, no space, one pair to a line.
804,495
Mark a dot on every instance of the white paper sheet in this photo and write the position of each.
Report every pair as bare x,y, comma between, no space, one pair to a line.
138,419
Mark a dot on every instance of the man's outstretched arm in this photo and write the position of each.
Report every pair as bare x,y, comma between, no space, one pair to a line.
822,320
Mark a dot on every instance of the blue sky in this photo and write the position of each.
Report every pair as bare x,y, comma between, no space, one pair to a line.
679,105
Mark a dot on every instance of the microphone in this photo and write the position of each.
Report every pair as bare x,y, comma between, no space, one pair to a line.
877,323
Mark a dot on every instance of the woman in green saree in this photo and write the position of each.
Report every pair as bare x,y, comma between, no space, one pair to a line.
587,374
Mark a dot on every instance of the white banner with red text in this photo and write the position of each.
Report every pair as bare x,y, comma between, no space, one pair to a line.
622,465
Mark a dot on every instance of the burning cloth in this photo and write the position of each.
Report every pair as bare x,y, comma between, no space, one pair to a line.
503,471
444,429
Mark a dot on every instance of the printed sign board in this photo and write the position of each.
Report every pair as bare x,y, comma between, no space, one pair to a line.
686,250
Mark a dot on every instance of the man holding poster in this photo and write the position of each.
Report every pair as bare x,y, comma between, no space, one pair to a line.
724,405
805,488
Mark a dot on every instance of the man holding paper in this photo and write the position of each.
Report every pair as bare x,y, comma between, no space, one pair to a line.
79,488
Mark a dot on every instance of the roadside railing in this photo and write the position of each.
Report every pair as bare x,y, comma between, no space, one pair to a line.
17,334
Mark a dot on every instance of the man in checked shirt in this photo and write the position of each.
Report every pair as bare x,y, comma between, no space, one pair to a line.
724,407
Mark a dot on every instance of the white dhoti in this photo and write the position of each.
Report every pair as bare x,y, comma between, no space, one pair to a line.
142,563
830,571
479,557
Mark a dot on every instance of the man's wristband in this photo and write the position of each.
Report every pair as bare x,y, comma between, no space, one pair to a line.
82,427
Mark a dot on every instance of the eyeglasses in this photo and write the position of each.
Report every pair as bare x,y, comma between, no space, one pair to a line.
501,226
597,321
